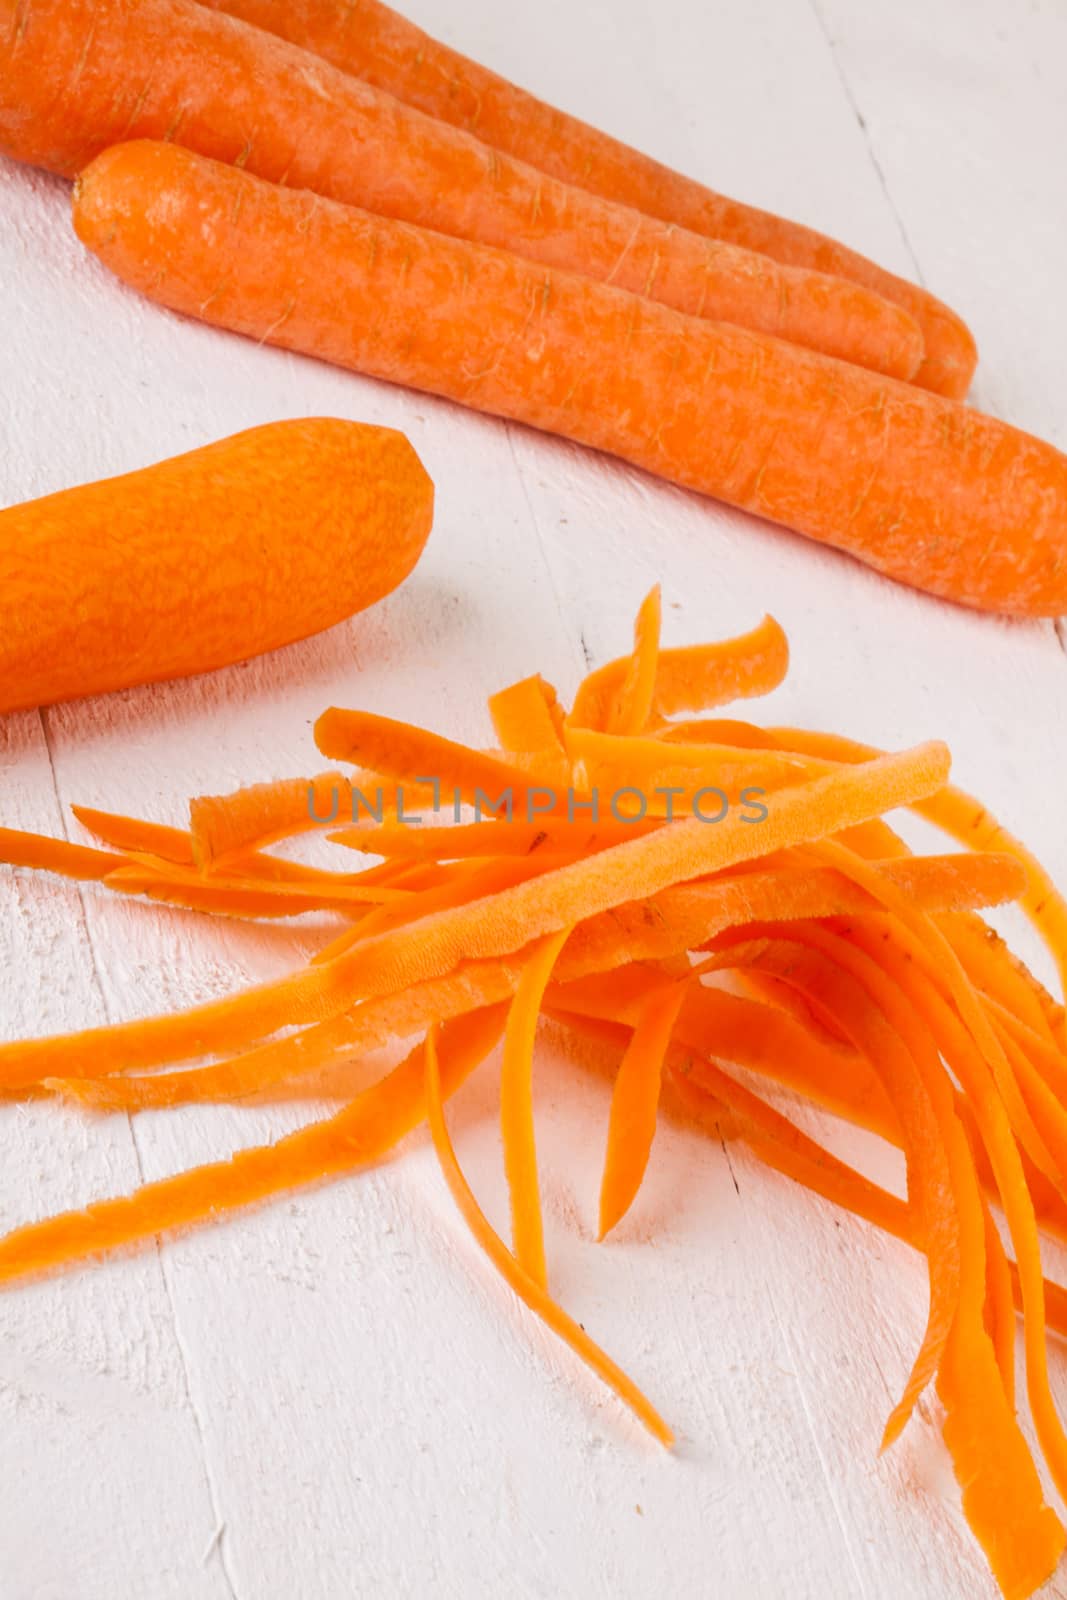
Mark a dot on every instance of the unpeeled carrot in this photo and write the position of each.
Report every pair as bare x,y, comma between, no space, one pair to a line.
375,43
923,489
206,558
79,75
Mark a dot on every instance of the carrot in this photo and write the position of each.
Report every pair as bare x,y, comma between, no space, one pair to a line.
132,833
516,1108
527,716
967,820
223,826
77,861
364,1131
393,54
633,703
398,750
494,926
635,1103
205,559
693,677
868,986
664,925
515,1275
80,75
924,490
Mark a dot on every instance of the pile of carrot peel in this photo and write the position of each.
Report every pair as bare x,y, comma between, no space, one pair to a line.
797,944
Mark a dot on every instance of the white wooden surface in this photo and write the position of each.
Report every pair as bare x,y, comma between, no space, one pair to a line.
333,1396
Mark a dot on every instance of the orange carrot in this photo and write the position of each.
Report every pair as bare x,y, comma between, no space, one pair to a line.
398,750
922,489
131,833
664,925
633,703
205,559
390,52
79,75
527,716
363,1132
635,1103
20,849
497,925
516,1108
515,1275
693,677
965,819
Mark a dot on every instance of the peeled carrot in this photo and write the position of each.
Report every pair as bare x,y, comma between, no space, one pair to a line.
205,559
920,488
79,75
382,47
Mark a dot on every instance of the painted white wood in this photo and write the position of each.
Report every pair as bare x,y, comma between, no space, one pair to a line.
333,1396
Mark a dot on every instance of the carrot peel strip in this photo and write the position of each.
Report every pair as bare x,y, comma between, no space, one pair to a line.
526,1287
516,1108
634,1104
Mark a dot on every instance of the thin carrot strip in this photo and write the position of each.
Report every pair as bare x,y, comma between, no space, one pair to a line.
1049,1061
265,813
497,925
635,1103
21,849
752,1035
527,1288
896,954
947,969
994,969
676,780
632,705
132,833
360,1134
418,757
1001,1489
527,716
516,1108
1000,1307
459,841
693,677
134,878
664,925
967,820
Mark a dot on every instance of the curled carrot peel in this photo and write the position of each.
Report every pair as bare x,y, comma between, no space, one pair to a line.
813,952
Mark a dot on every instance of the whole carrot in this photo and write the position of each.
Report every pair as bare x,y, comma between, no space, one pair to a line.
917,486
374,42
79,75
206,558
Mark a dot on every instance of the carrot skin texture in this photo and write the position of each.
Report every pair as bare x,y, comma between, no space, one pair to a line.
206,558
916,486
376,44
240,95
